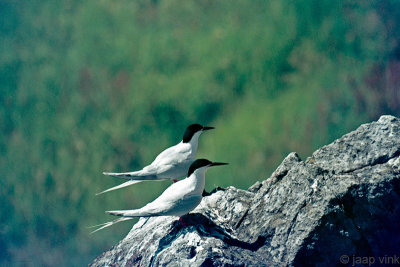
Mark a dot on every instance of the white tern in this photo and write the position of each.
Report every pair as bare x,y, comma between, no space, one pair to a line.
172,163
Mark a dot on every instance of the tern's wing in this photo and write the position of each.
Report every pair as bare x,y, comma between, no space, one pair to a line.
137,175
181,206
176,207
173,155
178,199
163,164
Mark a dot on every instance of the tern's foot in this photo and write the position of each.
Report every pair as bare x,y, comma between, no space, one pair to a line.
175,180
205,194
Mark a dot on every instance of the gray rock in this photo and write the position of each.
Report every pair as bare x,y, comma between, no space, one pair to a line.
341,204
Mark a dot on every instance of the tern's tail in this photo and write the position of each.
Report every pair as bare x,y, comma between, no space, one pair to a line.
107,224
125,214
129,213
128,183
138,175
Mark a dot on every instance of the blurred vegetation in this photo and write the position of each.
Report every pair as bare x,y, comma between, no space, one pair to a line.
92,86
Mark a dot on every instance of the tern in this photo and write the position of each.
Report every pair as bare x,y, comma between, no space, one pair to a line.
172,163
177,200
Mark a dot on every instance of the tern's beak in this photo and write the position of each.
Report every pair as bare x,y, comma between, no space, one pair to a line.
205,128
218,163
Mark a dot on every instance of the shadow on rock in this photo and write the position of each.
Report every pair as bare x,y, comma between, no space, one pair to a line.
206,228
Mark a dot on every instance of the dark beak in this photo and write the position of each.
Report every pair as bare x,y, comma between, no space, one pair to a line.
205,128
218,163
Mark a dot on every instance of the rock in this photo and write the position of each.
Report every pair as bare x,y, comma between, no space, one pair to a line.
341,204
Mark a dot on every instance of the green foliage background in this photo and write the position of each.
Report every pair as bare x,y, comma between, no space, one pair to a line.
92,86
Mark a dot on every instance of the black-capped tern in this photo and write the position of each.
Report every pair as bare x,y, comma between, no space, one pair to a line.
172,163
177,200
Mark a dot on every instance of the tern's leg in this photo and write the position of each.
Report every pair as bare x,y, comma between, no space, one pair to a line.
182,223
174,180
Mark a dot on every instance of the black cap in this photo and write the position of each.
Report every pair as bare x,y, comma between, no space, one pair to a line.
198,163
192,129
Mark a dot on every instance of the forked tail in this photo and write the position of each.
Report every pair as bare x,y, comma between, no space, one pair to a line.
107,224
128,183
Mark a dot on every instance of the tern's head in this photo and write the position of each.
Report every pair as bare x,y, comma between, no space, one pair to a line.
194,130
202,165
